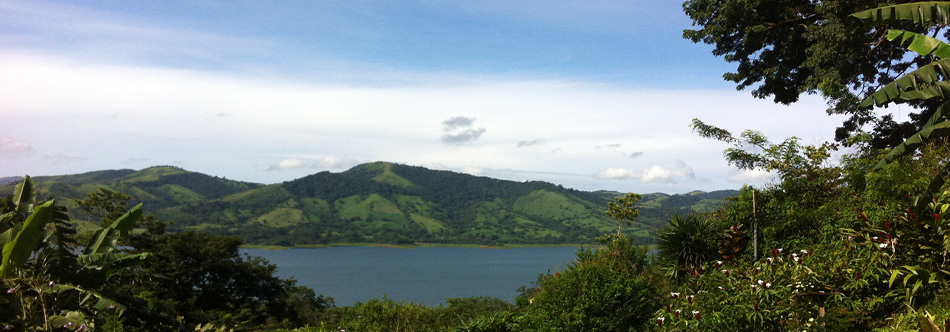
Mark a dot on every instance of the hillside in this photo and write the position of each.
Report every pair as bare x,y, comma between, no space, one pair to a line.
378,203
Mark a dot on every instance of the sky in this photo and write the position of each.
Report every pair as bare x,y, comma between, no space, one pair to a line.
591,95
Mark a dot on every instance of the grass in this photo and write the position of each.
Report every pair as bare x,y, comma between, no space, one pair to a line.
388,177
431,225
179,194
550,205
282,217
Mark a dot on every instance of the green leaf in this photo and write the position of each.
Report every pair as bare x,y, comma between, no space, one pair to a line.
24,195
104,240
894,275
922,44
924,83
16,252
926,13
71,318
911,144
926,324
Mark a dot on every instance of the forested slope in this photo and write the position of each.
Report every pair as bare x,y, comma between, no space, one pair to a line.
378,203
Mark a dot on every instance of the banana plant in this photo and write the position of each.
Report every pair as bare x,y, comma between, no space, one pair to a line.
926,239
39,256
931,81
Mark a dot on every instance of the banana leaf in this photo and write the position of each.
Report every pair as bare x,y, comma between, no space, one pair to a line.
24,195
922,44
922,137
924,83
104,240
17,252
924,13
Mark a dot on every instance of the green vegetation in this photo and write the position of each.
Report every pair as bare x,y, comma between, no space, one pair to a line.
785,48
128,279
381,203
860,244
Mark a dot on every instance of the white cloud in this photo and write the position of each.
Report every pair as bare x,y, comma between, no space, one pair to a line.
657,174
175,115
336,163
290,163
751,176
13,148
652,174
618,174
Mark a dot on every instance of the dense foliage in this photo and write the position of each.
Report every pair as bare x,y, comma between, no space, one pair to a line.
155,282
786,48
375,203
856,244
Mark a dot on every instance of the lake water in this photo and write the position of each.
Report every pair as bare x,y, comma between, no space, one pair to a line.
420,275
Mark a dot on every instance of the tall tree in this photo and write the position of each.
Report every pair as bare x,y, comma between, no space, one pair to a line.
624,209
784,48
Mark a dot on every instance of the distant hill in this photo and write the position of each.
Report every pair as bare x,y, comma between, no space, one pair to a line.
378,203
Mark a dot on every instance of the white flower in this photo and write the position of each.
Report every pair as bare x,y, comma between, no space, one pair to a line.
760,282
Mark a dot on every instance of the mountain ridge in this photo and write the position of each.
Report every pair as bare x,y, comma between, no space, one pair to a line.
378,202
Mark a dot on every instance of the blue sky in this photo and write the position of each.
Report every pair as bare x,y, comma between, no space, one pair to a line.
591,95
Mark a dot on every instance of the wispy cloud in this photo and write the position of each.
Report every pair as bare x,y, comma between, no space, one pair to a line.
63,158
137,161
270,121
13,148
522,144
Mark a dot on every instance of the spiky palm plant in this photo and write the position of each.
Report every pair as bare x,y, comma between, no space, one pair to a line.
688,242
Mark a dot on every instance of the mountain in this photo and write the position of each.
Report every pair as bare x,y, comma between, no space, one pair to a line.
377,203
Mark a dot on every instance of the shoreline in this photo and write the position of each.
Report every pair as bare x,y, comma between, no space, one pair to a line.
418,245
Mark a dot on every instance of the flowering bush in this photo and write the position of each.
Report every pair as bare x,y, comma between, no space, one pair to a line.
787,290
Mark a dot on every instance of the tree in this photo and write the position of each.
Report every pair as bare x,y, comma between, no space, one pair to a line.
624,208
206,280
785,48
607,289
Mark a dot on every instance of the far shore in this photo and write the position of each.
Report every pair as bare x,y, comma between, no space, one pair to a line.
425,245
418,245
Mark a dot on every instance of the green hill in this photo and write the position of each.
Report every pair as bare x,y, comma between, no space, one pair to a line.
378,203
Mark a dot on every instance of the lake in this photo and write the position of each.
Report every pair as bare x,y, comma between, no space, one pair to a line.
420,275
